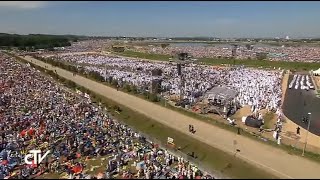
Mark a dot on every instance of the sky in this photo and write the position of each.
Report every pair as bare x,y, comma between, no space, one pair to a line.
225,19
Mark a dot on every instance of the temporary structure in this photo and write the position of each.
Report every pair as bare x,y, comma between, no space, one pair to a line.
251,121
316,72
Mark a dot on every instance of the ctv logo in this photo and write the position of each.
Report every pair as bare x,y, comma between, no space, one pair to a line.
37,158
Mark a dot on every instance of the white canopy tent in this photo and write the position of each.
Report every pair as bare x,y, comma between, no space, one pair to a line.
316,72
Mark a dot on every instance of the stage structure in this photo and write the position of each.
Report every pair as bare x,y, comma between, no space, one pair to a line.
221,100
156,81
156,86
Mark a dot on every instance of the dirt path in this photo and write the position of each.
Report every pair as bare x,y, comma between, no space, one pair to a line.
271,159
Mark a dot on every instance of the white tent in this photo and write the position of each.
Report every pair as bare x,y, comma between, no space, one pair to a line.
316,72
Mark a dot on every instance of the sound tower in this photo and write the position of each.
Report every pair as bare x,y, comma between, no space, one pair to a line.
234,51
179,69
156,86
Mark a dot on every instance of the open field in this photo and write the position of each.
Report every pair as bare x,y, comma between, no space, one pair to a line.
217,61
268,157
207,156
312,148
159,57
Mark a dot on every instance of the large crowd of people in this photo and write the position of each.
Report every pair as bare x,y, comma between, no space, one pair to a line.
256,87
292,54
88,45
274,53
38,113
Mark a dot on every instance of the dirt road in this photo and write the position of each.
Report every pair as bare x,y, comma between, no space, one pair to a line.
274,160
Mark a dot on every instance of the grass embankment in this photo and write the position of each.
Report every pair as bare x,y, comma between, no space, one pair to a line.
158,57
132,90
221,61
207,156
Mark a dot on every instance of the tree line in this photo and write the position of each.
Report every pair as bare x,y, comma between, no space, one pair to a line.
35,41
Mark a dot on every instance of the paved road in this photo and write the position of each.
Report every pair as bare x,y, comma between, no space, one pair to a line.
298,103
273,160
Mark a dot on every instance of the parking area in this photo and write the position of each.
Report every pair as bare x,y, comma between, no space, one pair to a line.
300,99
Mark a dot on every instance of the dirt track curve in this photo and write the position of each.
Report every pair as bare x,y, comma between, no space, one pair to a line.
275,161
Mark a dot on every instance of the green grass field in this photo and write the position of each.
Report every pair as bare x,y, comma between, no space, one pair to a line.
221,61
159,57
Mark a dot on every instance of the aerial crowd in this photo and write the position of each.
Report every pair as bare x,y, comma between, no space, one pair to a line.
274,53
258,88
36,112
291,54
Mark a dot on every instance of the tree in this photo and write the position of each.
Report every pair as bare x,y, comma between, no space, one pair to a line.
33,40
164,45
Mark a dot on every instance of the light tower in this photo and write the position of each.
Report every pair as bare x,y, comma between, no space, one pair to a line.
234,53
183,59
